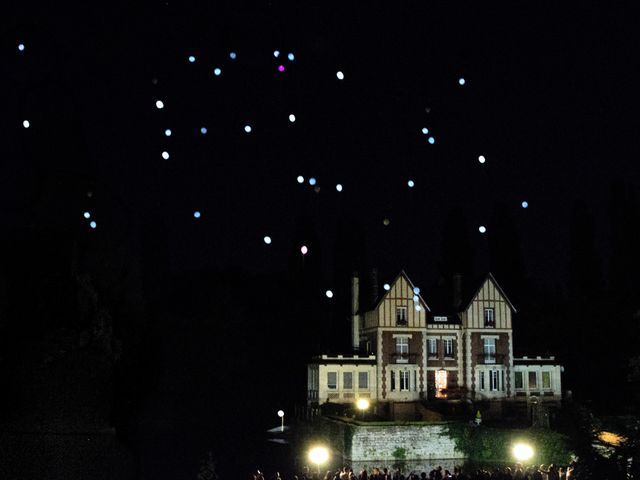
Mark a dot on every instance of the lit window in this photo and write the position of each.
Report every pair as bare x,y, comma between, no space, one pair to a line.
489,350
404,381
401,316
533,380
363,380
347,380
441,382
332,380
519,380
402,346
448,347
546,379
432,347
489,319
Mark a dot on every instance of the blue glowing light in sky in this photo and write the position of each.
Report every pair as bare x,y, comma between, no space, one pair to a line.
525,204
425,130
26,124
482,229
300,179
159,104
93,224
339,187
291,57
292,118
431,140
203,130
192,59
247,128
165,155
86,215
461,81
329,294
387,287
416,290
196,214
276,53
312,181
267,240
411,183
21,47
217,72
167,132
232,55
340,75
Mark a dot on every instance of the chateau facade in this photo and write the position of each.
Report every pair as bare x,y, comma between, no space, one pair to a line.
407,352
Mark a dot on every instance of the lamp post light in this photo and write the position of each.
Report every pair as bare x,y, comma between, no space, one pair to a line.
522,452
318,455
362,404
281,415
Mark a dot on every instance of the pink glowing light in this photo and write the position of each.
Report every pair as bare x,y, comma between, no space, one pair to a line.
281,68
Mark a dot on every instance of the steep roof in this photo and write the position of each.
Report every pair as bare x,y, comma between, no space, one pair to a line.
477,290
404,275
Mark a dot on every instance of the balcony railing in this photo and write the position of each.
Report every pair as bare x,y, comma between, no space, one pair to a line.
490,358
404,357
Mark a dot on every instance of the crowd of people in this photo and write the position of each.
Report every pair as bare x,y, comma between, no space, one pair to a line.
516,472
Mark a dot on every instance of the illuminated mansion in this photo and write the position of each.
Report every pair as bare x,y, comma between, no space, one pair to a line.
409,353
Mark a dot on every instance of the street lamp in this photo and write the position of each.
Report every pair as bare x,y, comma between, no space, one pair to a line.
318,455
362,404
281,415
522,452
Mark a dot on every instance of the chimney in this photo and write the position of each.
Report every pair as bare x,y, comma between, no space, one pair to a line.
457,291
374,286
355,306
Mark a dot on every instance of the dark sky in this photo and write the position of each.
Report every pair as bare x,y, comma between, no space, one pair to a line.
549,99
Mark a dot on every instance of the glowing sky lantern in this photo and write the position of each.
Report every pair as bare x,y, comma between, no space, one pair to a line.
339,187
329,294
386,222
387,287
312,181
525,204
276,53
86,215
203,130
93,224
416,290
232,55
196,214
418,308
281,68
267,240
425,130
411,183
159,104
167,132
217,72
26,124
415,298
247,128
292,118
165,155
192,59
481,159
291,57
304,250
21,47
300,179
431,140
482,229
340,75
461,81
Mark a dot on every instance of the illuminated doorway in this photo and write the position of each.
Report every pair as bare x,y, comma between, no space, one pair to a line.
441,383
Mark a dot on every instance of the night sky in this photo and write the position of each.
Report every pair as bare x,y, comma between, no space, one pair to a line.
547,95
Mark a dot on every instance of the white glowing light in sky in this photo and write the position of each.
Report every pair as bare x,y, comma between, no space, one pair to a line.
203,130
93,224
312,181
26,124
386,222
232,55
86,215
482,229
196,214
247,128
304,250
415,298
525,204
276,53
192,59
159,104
411,183
329,294
340,75
267,240
387,287
300,179
425,130
165,155
217,72
167,132
461,81
21,47
481,159
291,57
292,118
431,140
418,308
339,187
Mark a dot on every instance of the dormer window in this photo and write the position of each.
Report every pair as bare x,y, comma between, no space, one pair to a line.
489,318
439,319
401,315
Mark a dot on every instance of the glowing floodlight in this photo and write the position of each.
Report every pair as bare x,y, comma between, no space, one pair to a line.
196,214
21,47
482,229
300,179
167,132
318,455
339,187
276,53
292,118
304,250
525,204
165,155
481,159
431,140
461,81
425,130
247,128
217,72
232,55
203,130
387,287
340,75
267,240
93,225
291,57
86,215
192,59
159,104
312,181
411,183
329,294
26,124
522,452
